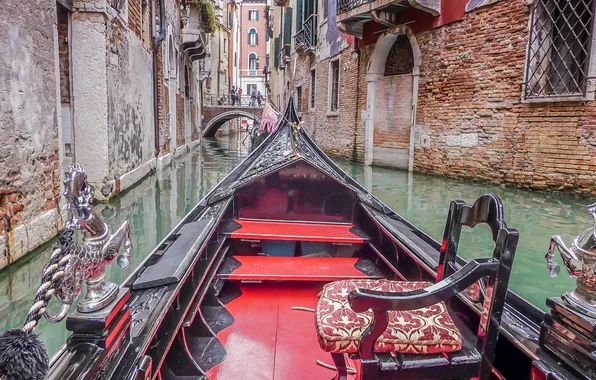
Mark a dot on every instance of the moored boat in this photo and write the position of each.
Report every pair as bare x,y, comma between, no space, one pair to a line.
289,269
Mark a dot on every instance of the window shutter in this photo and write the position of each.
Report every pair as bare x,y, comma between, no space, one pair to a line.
256,38
288,31
299,9
256,15
276,52
248,37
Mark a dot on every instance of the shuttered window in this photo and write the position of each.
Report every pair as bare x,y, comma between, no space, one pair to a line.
276,52
252,37
299,8
287,31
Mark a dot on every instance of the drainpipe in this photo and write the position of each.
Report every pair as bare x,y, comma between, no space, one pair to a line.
156,41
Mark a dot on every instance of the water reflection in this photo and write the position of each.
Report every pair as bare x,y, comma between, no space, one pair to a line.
424,201
153,208
160,201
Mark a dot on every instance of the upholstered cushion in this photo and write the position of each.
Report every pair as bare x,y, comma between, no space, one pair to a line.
427,330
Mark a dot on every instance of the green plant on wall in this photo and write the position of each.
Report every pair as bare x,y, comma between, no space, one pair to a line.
205,8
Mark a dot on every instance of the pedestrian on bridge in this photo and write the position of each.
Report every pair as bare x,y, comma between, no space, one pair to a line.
233,95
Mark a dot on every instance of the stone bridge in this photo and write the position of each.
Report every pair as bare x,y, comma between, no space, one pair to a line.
216,114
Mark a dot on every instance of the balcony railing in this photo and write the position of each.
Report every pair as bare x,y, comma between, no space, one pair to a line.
251,72
229,100
346,5
306,38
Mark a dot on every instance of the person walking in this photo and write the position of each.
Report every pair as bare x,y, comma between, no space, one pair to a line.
253,98
259,97
233,95
239,96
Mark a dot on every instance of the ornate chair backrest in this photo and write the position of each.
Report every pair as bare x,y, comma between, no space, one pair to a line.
487,209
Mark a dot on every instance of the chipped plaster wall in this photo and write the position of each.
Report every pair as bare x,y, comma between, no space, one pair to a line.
29,158
90,95
130,101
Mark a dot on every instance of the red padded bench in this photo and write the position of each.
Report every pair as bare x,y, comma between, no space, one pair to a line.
274,268
298,231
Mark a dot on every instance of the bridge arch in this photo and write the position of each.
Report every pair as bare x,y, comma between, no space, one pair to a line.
214,124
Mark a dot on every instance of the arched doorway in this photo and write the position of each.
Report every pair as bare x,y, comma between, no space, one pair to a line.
392,82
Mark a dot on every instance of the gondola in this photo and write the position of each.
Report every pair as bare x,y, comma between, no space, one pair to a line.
289,269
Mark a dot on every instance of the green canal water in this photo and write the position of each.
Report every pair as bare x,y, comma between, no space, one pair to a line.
160,201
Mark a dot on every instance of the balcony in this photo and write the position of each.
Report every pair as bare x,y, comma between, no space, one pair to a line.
251,72
306,38
353,14
284,56
193,43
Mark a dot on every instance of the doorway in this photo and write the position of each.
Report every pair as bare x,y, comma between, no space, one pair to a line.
392,82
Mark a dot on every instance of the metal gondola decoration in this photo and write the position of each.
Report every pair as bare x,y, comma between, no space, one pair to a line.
22,354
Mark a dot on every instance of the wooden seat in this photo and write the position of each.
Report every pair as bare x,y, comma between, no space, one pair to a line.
403,329
271,268
298,231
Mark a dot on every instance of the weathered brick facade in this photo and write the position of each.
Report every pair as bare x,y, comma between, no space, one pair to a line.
469,112
179,120
474,87
134,17
338,133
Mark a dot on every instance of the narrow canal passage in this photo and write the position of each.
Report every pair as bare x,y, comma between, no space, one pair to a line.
159,202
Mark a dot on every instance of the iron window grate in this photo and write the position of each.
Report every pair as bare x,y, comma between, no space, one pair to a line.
559,48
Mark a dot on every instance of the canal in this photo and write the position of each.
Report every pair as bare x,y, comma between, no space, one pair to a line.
160,201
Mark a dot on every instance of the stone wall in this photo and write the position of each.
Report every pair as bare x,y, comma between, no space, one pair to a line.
29,158
130,98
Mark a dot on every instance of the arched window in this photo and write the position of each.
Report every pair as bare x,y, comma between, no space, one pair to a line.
253,63
252,36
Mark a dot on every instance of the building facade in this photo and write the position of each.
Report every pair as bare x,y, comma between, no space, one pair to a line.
253,48
494,90
114,85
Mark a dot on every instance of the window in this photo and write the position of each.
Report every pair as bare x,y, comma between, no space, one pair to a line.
253,15
312,88
253,62
252,36
334,89
299,98
325,8
267,59
559,49
250,88
225,43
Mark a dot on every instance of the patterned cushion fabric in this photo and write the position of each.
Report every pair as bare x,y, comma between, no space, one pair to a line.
427,330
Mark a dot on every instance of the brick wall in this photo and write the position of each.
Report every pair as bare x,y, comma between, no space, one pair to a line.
179,120
469,107
63,55
393,113
340,133
134,16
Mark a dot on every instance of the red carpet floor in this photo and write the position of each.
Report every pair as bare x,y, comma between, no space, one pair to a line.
268,339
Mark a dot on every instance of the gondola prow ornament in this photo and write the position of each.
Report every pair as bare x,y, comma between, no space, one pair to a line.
22,354
580,261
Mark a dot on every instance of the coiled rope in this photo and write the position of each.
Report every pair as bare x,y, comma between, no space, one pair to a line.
52,275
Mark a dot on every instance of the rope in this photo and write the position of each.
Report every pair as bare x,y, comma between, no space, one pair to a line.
52,275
